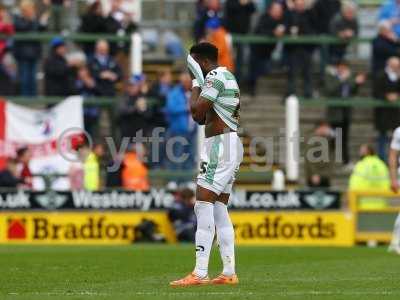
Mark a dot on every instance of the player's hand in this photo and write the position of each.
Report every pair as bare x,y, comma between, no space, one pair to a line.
394,186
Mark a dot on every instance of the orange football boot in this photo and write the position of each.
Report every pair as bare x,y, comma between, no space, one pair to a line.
224,279
190,280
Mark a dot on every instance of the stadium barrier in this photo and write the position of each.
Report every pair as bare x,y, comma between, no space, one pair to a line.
293,105
374,224
310,218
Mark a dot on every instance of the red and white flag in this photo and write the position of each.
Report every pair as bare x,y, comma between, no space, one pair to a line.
47,132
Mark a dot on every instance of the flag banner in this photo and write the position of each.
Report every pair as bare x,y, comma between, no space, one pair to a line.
46,132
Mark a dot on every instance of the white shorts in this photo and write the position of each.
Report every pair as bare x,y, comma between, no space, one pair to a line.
220,159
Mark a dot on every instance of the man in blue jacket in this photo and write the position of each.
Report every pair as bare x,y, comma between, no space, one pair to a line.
180,154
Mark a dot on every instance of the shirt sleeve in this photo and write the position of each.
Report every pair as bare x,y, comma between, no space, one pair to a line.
395,144
212,88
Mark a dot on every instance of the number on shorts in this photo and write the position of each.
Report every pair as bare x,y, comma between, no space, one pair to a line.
203,167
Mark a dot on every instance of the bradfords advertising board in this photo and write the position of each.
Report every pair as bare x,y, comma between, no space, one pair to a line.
161,199
251,228
290,228
78,228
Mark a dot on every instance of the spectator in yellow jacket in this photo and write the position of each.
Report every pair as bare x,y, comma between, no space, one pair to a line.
370,174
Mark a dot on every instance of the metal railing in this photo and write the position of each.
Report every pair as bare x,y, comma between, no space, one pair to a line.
240,38
348,102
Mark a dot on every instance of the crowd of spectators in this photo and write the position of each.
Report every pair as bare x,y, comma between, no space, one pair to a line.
96,69
99,68
294,18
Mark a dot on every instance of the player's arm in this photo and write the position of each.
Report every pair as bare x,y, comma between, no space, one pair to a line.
393,167
199,106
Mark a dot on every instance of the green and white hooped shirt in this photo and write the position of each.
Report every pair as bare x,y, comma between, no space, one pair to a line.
221,88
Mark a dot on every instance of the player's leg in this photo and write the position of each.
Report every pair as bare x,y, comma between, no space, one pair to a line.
226,241
395,243
204,210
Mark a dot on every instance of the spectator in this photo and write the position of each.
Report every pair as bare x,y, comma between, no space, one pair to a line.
300,23
58,14
341,83
85,85
76,172
387,90
99,151
24,157
324,11
134,171
118,21
217,35
91,168
390,11
105,69
384,46
345,27
180,124
6,28
182,216
271,23
370,175
159,91
92,21
206,9
134,112
238,15
58,73
9,176
161,87
319,159
27,53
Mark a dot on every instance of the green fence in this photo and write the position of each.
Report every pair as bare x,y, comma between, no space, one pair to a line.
348,102
240,38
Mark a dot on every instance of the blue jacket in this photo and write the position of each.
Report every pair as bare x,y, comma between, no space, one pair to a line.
391,10
177,111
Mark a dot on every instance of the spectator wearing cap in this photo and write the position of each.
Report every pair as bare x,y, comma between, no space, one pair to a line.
390,11
345,26
237,20
219,37
27,53
342,83
58,73
105,69
180,125
385,45
134,113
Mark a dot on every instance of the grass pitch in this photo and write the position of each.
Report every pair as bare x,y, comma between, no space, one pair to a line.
143,272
